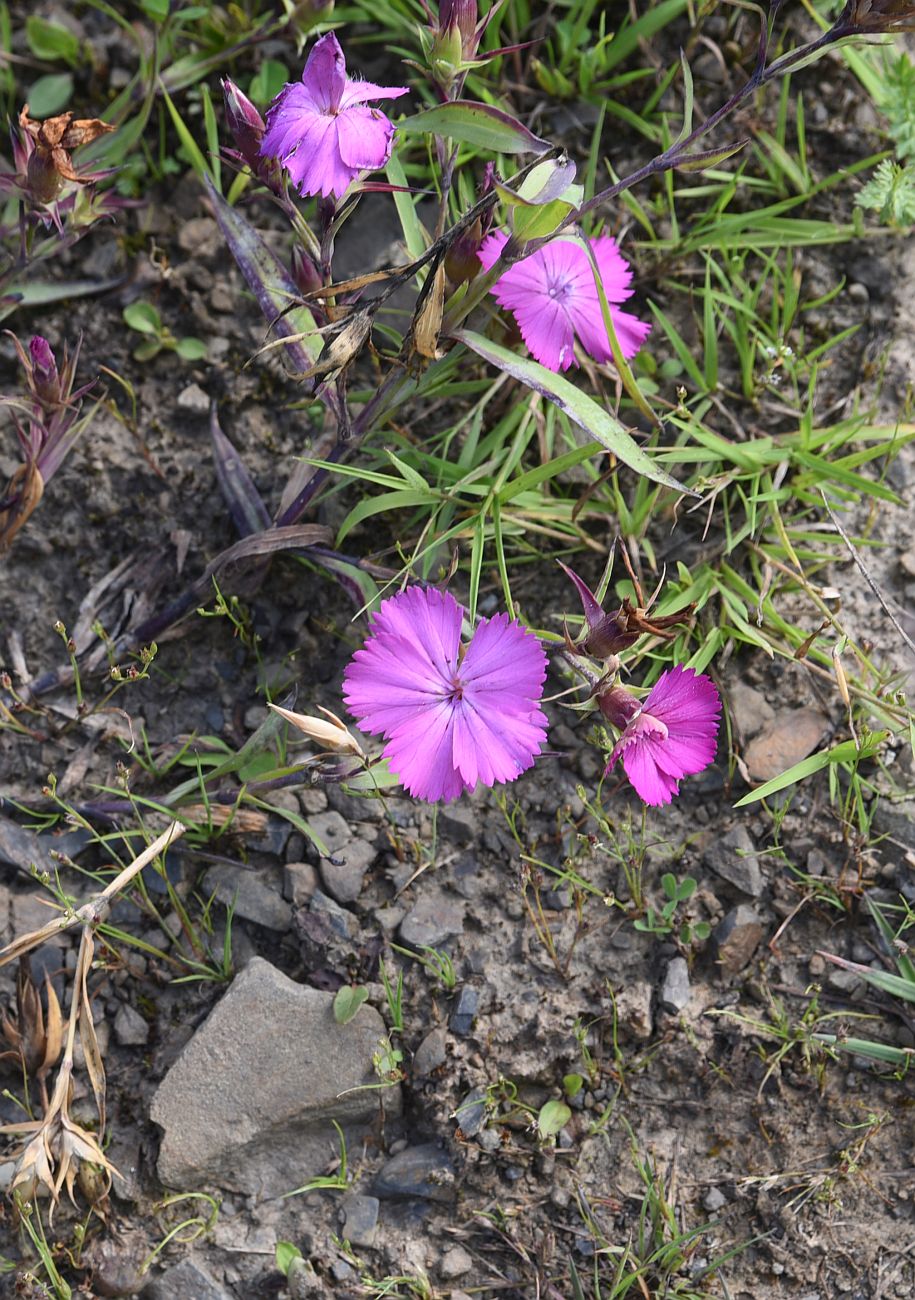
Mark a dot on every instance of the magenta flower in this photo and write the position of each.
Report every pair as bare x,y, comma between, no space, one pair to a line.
553,297
452,715
321,128
672,734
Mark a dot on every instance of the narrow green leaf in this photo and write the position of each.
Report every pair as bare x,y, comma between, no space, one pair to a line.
413,234
369,506
481,125
195,155
846,752
577,405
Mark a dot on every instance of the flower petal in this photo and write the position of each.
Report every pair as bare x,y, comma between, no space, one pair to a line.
290,117
420,753
653,785
360,92
433,618
324,74
503,656
685,701
364,137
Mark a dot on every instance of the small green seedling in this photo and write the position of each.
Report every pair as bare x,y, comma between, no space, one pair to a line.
663,922
145,319
348,1001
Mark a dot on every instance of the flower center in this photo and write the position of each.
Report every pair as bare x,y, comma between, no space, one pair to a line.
457,688
558,289
645,725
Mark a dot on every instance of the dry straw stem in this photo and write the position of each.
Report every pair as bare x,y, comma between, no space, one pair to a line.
55,1140
95,910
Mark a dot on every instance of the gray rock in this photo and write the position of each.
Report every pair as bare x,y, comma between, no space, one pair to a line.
733,857
193,398
257,898
432,919
749,709
675,989
424,1171
431,1053
789,737
456,1262
344,875
897,820
848,981
22,848
465,1010
341,922
736,937
360,1218
471,1114
130,1029
300,880
187,1281
332,829
633,1008
714,1200
459,823
248,1104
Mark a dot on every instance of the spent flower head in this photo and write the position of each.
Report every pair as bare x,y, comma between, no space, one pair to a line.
671,734
48,420
321,128
553,298
453,715
609,634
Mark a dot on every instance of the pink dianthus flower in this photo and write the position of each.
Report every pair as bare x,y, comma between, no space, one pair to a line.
553,297
452,715
321,128
672,734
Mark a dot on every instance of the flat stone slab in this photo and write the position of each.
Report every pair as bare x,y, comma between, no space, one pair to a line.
248,1104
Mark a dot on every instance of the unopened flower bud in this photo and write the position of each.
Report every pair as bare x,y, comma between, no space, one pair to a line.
618,706
305,274
461,260
460,16
43,178
245,123
45,381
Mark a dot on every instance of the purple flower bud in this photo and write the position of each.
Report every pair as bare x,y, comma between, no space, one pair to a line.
618,706
305,275
462,15
461,261
45,381
245,124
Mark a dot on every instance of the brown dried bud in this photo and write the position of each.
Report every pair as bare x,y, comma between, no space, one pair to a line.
53,141
877,16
